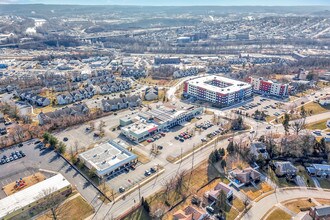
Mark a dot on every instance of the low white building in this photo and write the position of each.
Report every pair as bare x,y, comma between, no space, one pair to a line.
107,158
20,203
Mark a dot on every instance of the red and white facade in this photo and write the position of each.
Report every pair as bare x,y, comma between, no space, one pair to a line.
262,86
218,90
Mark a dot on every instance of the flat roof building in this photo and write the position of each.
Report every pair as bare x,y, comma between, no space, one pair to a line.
36,195
269,87
107,158
219,90
157,120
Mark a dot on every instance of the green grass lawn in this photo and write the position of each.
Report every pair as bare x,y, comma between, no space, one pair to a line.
313,108
278,214
303,173
280,181
325,183
318,125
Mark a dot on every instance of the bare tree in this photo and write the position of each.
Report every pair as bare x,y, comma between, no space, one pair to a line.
298,125
76,145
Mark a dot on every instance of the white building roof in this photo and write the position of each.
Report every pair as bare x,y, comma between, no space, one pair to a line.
107,156
233,85
31,194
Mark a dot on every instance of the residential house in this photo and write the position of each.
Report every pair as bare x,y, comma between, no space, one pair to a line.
151,94
320,212
2,118
134,72
76,110
321,170
285,168
34,99
77,96
259,148
190,213
98,80
184,73
3,129
213,194
42,101
114,87
241,177
64,99
120,103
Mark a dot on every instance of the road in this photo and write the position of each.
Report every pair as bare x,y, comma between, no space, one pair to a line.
260,208
109,211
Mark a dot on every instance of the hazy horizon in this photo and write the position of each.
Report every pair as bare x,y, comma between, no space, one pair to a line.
175,2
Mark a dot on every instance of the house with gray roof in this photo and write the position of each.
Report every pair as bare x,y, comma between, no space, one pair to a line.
285,168
75,110
320,170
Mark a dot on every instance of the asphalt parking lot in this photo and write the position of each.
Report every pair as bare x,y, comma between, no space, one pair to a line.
85,139
46,161
270,106
129,179
172,147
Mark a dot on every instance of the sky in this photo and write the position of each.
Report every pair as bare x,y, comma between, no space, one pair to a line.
175,2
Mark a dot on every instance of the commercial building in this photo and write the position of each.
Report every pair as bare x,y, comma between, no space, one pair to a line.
268,87
27,202
219,90
167,60
108,158
151,122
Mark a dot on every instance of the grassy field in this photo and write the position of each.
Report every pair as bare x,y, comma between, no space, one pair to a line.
254,193
29,181
278,214
313,108
303,173
325,183
318,125
74,209
296,205
280,181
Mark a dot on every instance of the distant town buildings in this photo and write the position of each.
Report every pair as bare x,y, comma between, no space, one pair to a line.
167,60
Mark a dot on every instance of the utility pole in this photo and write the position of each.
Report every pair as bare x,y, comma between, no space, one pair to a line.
181,155
139,192
193,158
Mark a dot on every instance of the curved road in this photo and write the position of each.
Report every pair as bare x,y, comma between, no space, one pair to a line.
260,208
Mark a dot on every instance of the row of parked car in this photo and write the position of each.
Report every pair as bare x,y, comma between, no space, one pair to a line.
156,137
183,136
205,125
13,156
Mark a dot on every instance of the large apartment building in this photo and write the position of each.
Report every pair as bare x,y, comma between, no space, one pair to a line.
268,87
219,90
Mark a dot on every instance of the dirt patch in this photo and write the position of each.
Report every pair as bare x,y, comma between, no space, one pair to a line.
25,182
